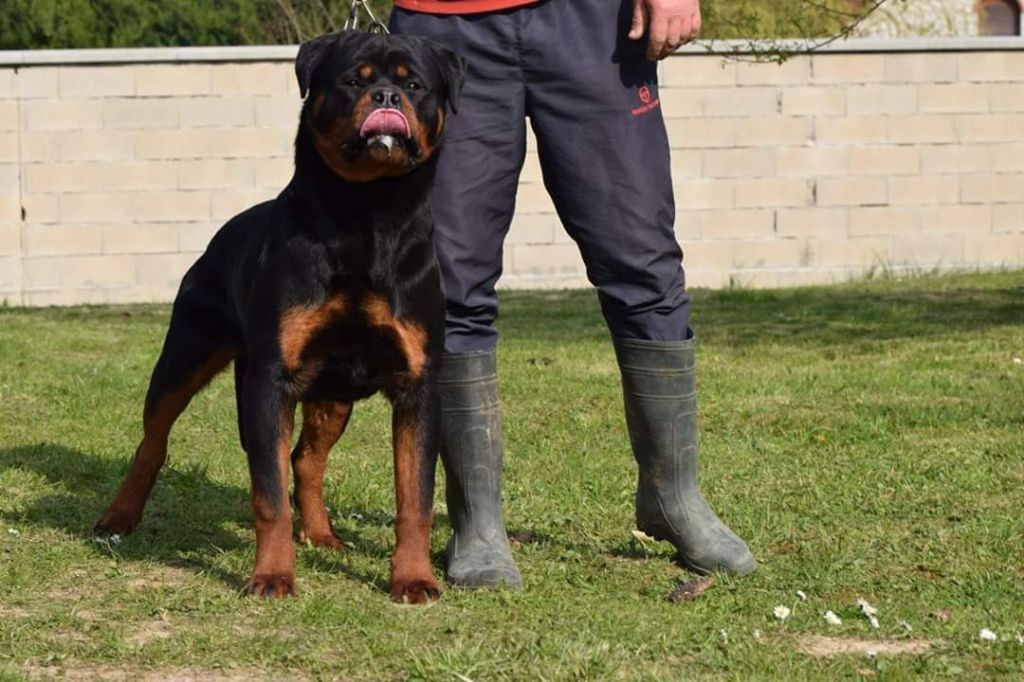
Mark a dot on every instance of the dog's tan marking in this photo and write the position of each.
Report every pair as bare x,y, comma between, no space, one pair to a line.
440,122
418,131
365,71
301,323
411,337
402,71
322,426
330,143
411,578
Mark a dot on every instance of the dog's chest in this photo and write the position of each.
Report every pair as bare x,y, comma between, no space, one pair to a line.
348,347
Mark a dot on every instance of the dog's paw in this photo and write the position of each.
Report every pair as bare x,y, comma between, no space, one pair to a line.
415,590
116,522
271,585
329,540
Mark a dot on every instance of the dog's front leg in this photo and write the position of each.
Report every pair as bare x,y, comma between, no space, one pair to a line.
415,434
268,420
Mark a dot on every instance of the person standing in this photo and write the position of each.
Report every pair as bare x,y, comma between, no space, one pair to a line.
585,73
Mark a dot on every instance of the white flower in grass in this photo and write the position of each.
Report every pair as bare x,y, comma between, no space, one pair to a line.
871,653
866,608
874,622
757,635
1020,638
832,619
725,635
801,595
114,539
1018,361
906,626
988,635
13,531
781,612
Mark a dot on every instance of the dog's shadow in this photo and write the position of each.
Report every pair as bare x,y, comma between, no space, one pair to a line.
189,518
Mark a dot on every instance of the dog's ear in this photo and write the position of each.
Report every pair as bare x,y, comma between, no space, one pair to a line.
311,53
453,74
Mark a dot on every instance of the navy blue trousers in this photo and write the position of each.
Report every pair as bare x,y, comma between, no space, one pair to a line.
592,99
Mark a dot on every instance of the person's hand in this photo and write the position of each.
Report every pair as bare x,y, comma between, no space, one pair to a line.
670,23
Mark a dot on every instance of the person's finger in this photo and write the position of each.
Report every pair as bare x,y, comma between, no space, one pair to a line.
658,34
636,32
676,35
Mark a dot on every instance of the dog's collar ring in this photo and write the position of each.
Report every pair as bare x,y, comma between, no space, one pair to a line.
374,24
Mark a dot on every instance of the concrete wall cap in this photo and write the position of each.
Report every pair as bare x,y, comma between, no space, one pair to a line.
249,53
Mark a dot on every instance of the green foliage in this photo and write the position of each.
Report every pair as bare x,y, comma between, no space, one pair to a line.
39,24
774,19
56,24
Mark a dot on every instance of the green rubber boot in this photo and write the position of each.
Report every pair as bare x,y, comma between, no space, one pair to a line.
478,554
659,386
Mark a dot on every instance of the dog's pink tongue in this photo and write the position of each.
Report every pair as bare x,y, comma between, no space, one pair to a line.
385,122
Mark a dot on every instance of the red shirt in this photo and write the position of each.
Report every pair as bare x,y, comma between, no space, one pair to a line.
459,6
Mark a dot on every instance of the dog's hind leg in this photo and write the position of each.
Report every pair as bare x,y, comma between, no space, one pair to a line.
323,423
196,348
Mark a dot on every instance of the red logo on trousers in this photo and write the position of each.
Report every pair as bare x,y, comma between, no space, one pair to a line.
646,102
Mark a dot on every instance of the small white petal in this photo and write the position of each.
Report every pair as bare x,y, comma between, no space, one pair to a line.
801,595
988,635
866,608
757,635
832,619
781,612
1020,638
1018,361
871,653
13,531
906,626
725,635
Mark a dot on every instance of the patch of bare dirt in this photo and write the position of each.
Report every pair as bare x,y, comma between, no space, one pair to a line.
148,631
14,612
156,577
820,646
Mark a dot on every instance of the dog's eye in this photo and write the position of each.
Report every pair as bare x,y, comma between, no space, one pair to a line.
352,83
413,85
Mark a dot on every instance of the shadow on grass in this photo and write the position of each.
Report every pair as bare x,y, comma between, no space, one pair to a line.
851,316
184,517
187,521
810,316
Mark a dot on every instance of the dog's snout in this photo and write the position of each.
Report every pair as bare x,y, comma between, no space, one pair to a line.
387,97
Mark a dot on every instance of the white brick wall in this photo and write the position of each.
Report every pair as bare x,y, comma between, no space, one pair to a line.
116,167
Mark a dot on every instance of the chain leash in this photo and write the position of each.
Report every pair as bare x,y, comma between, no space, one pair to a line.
374,25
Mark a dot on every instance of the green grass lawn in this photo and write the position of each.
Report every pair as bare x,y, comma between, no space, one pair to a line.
867,440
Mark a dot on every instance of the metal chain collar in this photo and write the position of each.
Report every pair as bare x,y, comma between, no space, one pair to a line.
374,25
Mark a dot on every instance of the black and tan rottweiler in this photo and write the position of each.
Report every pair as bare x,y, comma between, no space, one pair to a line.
323,296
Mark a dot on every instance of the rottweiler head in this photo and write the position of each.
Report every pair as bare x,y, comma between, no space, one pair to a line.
377,103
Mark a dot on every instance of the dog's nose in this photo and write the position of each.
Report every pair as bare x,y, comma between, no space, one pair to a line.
387,97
